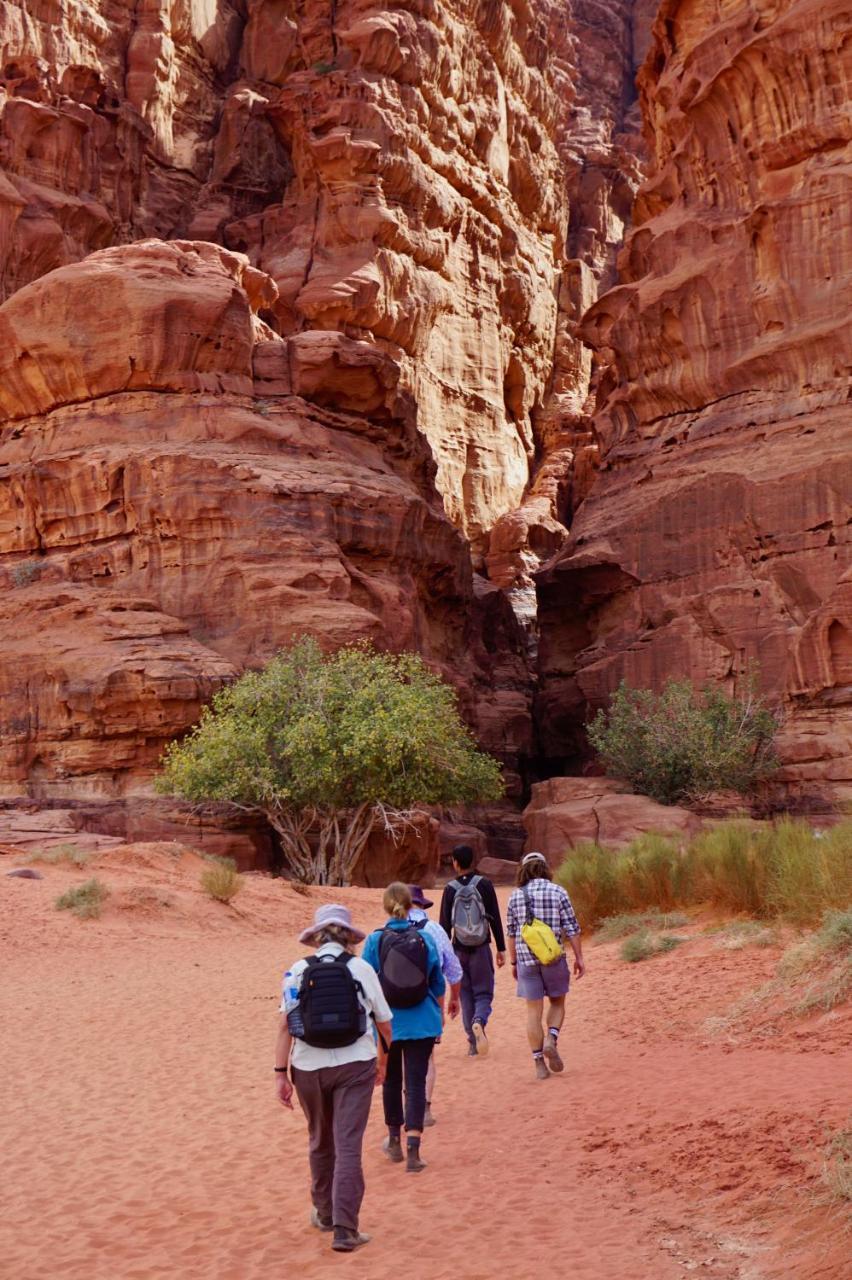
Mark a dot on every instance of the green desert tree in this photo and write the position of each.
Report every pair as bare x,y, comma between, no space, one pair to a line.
678,744
331,748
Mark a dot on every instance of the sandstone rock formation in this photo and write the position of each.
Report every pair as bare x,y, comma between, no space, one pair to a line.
171,510
717,532
564,812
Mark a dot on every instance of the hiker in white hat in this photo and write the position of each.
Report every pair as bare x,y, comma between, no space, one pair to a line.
539,923
330,1003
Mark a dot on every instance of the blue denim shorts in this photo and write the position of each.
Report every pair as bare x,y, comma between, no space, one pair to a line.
535,981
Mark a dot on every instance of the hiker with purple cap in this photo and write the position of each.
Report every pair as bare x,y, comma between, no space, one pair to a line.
451,969
330,1005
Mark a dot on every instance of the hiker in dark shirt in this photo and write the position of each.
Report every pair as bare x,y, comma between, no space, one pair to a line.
470,914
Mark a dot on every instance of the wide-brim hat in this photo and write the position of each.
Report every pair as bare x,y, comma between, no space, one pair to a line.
331,913
418,897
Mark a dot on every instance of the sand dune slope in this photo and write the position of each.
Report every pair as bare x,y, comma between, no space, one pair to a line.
140,1137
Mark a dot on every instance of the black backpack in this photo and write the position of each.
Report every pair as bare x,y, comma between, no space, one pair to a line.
403,966
332,1015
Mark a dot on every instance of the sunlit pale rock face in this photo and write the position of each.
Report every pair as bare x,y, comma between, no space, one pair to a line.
718,530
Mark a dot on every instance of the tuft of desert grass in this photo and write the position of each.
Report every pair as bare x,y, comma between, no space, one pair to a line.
84,900
737,934
622,926
642,946
62,853
785,871
836,1170
221,880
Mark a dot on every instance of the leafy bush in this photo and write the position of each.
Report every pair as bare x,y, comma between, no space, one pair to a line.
782,871
675,745
85,900
221,880
331,749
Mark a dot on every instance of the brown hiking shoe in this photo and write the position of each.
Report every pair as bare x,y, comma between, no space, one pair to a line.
551,1052
392,1148
541,1071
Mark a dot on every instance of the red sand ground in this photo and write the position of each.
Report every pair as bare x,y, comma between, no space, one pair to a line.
140,1136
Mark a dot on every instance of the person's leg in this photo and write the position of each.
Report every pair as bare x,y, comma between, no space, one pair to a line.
482,986
316,1102
416,1054
557,979
351,1097
466,997
392,1101
431,1073
535,1033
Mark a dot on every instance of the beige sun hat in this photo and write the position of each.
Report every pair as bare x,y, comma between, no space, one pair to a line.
331,913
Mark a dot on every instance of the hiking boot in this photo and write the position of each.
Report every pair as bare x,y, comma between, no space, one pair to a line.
551,1052
481,1039
321,1223
345,1241
413,1163
428,1118
472,1051
541,1071
392,1148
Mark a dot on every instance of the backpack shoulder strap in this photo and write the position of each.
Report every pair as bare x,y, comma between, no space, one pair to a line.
344,957
454,884
528,905
476,882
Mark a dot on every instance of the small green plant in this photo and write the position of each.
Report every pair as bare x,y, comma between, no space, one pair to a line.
85,900
639,946
623,925
669,942
25,572
837,1166
62,853
836,931
678,744
221,880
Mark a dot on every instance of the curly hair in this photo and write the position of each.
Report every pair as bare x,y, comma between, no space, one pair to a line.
535,869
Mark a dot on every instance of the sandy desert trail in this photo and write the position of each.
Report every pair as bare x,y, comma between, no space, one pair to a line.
140,1137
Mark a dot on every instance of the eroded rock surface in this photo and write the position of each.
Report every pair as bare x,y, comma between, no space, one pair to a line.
171,510
718,530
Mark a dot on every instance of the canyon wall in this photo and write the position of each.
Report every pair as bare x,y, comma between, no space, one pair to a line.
717,533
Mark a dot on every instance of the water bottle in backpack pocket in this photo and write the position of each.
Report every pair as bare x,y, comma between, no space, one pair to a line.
469,919
403,966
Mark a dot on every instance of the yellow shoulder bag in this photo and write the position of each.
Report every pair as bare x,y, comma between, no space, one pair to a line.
539,937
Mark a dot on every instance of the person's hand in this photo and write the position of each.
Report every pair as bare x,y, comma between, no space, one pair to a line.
579,966
284,1090
501,959
453,1006
381,1071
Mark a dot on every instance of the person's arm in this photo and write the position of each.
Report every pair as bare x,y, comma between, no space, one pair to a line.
446,915
385,1035
571,933
283,1087
492,910
512,930
451,969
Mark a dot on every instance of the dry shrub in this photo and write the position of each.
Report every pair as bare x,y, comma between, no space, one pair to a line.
837,1166
641,946
623,925
62,853
85,900
221,880
785,871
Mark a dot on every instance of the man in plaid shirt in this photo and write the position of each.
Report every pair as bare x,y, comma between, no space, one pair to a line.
537,896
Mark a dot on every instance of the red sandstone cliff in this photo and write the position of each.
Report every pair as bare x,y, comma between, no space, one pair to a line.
717,531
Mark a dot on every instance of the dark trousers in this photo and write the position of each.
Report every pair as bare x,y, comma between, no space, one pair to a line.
336,1103
412,1057
477,985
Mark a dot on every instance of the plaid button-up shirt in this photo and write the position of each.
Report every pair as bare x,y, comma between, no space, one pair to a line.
550,904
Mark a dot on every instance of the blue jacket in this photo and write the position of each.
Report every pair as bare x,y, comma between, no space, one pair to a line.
424,1019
